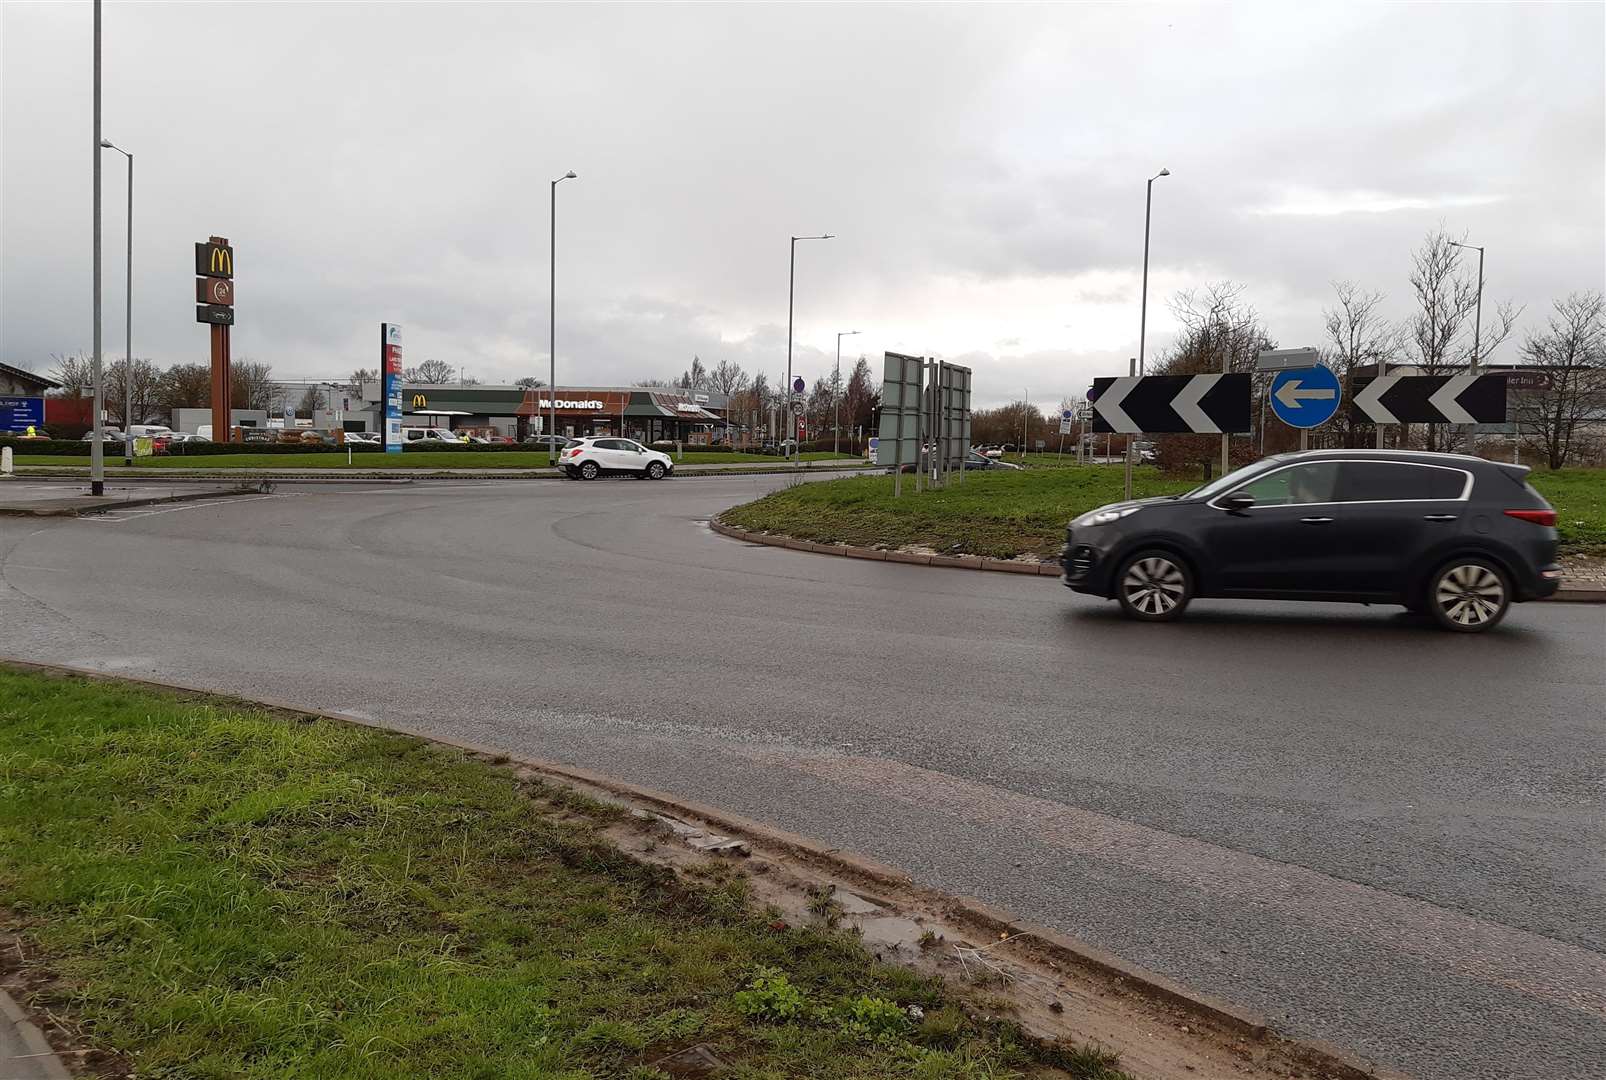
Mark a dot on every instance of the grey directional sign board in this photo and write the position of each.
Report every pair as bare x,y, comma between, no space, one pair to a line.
900,409
953,405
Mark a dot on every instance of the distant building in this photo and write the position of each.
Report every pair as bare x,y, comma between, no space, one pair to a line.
17,382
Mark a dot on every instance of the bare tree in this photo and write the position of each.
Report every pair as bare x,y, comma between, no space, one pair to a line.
355,380
1571,352
140,381
312,399
1358,337
695,377
727,378
1445,298
251,385
75,372
432,372
1221,332
529,382
186,386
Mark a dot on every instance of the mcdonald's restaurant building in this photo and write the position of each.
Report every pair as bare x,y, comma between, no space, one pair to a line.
647,414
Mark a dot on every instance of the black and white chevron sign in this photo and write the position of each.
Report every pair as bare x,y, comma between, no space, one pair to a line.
1429,399
1159,404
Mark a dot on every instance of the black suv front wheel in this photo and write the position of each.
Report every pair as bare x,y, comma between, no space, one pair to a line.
1468,595
1153,586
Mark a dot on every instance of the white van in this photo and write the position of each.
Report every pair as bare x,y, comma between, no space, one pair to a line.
149,431
431,434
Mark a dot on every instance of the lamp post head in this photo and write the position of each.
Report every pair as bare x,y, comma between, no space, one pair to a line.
106,144
570,175
1164,172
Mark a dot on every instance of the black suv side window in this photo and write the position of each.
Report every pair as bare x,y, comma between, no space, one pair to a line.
1297,485
1398,481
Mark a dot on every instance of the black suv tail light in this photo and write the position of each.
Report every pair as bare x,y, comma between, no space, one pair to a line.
1538,517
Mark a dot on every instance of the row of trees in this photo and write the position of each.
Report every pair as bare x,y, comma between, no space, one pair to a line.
153,393
1221,331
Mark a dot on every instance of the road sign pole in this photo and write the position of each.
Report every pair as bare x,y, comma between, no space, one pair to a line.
1225,438
1131,369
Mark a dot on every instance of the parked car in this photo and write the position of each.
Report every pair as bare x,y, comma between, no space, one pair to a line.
107,434
431,435
590,458
1455,537
362,438
543,442
973,460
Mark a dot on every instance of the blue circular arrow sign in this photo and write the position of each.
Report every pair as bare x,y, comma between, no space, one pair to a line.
1305,397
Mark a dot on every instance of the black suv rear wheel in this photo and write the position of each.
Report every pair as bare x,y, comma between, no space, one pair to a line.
1153,586
1468,595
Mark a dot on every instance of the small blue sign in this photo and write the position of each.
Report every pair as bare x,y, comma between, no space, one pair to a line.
21,413
1305,397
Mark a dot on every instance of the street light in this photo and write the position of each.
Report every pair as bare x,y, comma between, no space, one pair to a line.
791,281
1477,324
1143,314
128,314
1143,317
836,394
552,330
97,452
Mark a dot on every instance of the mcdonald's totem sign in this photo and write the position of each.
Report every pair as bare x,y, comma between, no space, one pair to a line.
214,305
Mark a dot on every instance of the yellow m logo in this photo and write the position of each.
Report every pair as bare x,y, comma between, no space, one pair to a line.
222,261
420,401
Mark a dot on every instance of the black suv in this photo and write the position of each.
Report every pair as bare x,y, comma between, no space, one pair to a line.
1456,537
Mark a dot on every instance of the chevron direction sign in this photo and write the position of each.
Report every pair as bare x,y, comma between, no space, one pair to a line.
1164,404
1429,399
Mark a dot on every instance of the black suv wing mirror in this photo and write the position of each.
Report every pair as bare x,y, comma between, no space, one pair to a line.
1237,502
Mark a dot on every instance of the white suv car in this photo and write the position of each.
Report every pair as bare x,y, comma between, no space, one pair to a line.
590,458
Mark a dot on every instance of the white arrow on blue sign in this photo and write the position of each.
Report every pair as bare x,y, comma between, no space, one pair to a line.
1305,397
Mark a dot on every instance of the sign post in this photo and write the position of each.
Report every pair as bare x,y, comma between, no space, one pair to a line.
1305,398
214,296
390,367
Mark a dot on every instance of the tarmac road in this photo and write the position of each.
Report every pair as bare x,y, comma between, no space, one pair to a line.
1371,831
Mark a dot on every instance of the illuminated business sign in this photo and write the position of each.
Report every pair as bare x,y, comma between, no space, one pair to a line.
390,369
576,405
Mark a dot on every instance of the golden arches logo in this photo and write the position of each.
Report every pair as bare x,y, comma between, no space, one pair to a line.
222,261
420,401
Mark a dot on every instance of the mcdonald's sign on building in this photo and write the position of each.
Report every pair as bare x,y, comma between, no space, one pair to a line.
214,260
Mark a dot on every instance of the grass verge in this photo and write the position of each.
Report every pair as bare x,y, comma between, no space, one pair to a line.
218,891
368,460
1005,515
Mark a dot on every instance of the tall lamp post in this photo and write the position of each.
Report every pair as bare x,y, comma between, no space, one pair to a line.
1477,318
836,394
128,314
791,282
1143,313
552,331
97,452
1143,317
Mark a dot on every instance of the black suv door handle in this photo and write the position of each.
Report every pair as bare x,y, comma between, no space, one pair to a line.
1438,517
1316,521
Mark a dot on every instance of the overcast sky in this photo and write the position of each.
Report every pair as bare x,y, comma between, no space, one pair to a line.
982,166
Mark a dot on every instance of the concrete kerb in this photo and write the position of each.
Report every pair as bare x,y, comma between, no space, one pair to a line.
1044,942
1007,566
914,558
25,1053
103,504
